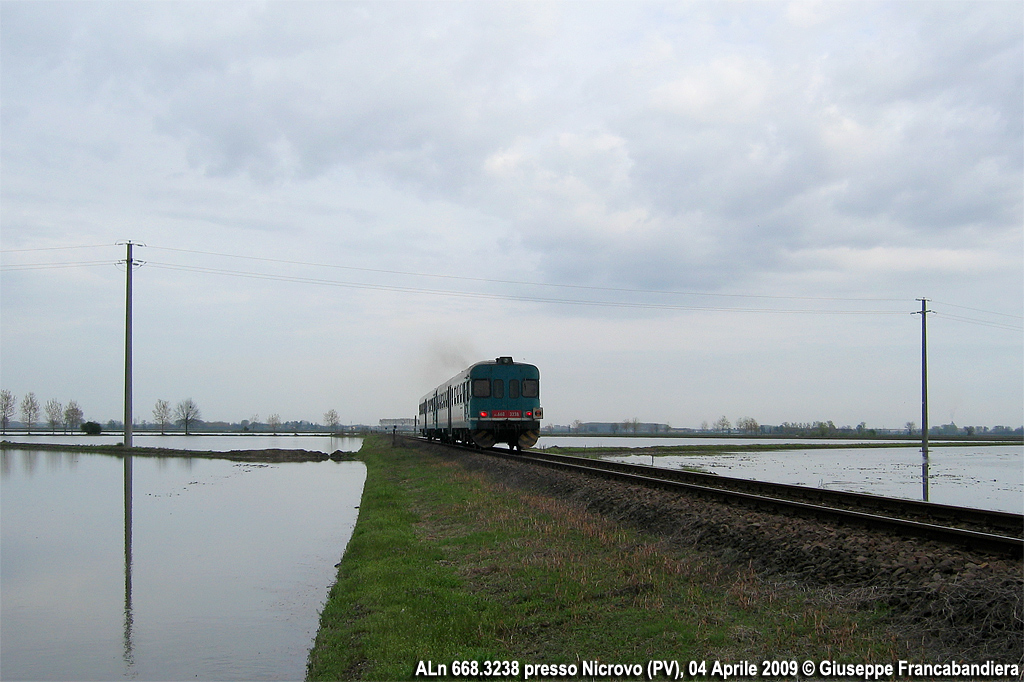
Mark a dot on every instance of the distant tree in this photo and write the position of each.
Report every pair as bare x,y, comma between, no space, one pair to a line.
577,425
820,428
29,410
910,428
254,422
331,419
186,413
54,414
274,421
7,406
72,416
723,424
162,415
92,428
748,425
704,425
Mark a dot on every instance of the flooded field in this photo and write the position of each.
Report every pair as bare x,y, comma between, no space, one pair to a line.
218,570
980,476
204,441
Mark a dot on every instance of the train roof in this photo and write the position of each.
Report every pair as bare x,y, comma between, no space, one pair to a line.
503,360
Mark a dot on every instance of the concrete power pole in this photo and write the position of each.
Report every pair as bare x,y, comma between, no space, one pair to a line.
924,396
129,264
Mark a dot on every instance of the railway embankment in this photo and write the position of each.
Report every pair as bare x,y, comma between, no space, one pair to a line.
465,557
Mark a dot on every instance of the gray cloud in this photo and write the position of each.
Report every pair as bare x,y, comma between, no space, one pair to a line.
843,149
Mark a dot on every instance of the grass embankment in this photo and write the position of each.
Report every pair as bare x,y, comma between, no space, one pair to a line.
446,564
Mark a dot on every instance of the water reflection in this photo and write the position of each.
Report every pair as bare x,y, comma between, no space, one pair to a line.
129,653
215,570
924,474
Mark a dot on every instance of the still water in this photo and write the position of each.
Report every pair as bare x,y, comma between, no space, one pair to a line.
982,476
218,572
205,441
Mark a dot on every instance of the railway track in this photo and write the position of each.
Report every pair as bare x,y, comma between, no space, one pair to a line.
990,531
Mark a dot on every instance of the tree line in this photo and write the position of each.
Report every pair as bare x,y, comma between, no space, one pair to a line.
65,417
70,417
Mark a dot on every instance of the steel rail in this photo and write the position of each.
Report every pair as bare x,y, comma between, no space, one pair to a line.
981,519
990,542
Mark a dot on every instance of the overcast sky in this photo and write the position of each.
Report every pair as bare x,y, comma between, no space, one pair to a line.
678,211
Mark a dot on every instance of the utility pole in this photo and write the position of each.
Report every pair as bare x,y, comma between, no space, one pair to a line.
924,396
129,264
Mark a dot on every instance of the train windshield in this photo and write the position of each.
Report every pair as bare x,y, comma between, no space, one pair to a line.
531,388
513,388
481,388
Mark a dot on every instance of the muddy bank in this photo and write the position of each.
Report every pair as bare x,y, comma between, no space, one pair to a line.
272,455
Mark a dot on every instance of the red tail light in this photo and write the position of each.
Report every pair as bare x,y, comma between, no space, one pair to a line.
483,413
529,413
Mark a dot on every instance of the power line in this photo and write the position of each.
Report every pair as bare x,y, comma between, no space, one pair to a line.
506,297
55,266
524,283
512,297
54,248
981,323
979,310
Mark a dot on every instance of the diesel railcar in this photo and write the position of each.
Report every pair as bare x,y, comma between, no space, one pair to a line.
496,401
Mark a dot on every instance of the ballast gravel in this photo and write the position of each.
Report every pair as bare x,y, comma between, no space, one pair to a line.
956,604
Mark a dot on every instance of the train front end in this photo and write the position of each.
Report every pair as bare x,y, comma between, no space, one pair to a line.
504,404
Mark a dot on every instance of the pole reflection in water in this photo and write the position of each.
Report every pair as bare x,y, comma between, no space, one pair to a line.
129,653
924,476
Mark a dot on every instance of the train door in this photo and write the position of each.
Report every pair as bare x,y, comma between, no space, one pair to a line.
434,411
451,408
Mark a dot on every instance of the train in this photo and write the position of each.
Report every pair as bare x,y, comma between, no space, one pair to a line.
495,401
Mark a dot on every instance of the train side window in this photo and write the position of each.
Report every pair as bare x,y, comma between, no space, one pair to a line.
481,388
499,388
513,388
531,388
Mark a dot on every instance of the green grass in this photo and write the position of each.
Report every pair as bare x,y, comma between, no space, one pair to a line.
445,564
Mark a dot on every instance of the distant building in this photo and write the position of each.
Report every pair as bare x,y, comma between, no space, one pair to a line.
622,428
403,425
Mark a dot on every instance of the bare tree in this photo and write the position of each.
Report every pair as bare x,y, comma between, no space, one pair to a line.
577,425
72,416
723,424
910,428
254,421
186,413
331,419
162,415
29,410
274,421
7,406
54,414
748,425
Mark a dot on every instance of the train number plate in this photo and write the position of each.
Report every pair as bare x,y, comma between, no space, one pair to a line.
506,414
